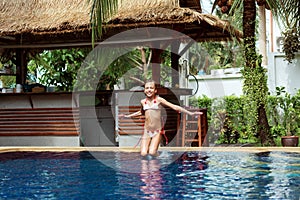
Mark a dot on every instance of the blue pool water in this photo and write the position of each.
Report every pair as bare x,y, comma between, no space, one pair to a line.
192,175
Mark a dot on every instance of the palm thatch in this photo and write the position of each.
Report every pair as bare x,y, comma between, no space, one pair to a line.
164,16
42,15
27,22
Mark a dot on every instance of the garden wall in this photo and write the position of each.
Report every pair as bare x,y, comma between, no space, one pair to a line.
283,74
217,85
280,74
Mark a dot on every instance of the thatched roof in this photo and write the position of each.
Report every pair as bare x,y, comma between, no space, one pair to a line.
40,22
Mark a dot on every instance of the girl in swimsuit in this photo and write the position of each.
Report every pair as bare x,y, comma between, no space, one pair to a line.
151,108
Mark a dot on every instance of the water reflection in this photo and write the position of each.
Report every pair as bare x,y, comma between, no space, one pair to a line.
152,179
285,177
268,176
224,175
194,160
262,174
184,176
191,172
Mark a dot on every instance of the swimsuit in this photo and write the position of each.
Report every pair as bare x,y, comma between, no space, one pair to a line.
151,133
154,106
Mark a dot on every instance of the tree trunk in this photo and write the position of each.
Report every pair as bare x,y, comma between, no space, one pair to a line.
264,127
249,16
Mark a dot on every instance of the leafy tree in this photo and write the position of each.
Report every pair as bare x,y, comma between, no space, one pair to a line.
219,55
8,58
133,60
138,62
58,67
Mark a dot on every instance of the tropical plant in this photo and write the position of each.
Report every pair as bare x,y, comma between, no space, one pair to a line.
8,81
228,134
135,60
285,11
58,67
228,124
287,14
289,105
138,62
252,64
101,10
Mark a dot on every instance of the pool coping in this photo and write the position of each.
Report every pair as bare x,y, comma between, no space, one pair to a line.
131,149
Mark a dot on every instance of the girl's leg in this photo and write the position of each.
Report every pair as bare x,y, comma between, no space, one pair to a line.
145,141
155,141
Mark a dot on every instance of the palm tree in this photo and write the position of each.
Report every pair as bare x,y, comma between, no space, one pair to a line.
257,105
258,97
101,10
286,11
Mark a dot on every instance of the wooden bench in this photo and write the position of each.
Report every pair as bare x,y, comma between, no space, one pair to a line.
40,122
173,124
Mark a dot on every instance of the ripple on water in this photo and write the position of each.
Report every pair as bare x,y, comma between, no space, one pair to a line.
217,175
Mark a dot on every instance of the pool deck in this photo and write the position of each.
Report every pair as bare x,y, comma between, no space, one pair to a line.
130,149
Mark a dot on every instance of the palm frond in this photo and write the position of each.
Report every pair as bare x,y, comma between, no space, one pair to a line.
236,7
286,11
101,11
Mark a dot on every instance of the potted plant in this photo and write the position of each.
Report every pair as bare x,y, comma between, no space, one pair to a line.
288,105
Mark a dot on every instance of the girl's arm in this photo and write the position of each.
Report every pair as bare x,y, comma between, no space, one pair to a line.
135,114
178,108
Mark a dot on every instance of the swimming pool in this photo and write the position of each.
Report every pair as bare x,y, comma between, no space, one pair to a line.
124,175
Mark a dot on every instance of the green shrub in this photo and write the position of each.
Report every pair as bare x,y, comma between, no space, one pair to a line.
228,122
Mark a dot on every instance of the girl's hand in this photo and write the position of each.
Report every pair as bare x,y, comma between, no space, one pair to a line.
122,116
197,113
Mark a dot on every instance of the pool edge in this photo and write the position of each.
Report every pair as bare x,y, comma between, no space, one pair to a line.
131,149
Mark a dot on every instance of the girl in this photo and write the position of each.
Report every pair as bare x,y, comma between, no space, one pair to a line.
151,108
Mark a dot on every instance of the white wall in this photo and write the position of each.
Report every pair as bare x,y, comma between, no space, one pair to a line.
217,86
281,73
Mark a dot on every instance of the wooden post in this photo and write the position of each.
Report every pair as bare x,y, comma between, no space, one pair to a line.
199,131
155,62
175,63
21,66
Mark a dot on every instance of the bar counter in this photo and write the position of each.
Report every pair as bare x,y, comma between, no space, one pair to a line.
37,100
97,114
